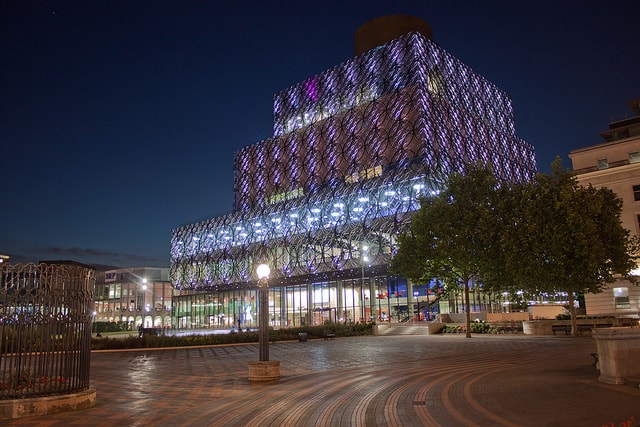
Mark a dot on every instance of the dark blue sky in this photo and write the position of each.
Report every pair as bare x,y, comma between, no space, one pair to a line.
119,119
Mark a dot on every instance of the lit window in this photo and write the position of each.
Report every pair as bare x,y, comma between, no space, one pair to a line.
621,297
636,192
603,164
634,157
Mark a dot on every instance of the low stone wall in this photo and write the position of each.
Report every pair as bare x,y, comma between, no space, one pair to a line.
434,327
508,317
380,328
38,406
544,327
545,311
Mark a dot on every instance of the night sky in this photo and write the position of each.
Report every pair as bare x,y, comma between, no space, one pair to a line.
119,119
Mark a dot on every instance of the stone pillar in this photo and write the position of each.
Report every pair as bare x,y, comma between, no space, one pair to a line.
373,302
410,298
340,295
308,317
284,320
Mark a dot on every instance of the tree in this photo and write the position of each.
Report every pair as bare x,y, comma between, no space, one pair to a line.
566,237
548,235
450,235
503,266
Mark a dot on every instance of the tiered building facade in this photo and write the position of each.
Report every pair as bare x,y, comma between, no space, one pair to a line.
323,200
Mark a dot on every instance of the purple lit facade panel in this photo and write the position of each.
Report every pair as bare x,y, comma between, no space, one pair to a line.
409,98
354,148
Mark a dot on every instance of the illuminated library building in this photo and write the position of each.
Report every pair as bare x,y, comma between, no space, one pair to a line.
322,201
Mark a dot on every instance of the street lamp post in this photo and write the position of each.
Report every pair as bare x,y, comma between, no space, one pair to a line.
263,272
364,261
264,369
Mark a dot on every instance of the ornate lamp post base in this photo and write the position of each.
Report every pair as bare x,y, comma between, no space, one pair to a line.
264,370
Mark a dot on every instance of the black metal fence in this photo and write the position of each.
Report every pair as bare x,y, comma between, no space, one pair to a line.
45,328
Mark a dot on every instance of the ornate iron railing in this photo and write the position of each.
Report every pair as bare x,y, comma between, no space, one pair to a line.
45,328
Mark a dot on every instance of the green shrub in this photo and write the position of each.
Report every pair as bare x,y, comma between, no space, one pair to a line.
454,329
485,328
285,334
480,328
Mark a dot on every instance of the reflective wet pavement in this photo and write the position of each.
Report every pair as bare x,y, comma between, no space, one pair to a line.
443,380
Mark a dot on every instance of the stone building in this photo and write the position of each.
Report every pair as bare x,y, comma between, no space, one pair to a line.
615,164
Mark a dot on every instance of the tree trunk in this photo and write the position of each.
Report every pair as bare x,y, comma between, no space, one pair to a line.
572,310
467,308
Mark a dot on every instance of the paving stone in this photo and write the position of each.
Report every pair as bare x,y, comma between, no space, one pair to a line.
408,380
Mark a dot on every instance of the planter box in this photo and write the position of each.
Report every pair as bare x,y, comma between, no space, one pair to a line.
618,354
435,328
545,327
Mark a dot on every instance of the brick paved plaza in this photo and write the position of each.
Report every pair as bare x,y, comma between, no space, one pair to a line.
443,380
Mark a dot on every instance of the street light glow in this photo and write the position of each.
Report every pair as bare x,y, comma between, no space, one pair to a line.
263,271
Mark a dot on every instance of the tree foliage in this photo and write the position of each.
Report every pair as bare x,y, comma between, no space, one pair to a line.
548,235
573,235
450,234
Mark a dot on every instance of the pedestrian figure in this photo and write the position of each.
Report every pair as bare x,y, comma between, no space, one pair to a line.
140,331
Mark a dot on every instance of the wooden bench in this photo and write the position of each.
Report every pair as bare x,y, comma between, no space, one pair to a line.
560,328
329,335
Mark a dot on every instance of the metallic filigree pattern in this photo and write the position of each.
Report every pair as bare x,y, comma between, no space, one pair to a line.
45,329
353,150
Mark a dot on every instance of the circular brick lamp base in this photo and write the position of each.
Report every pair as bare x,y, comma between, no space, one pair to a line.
267,370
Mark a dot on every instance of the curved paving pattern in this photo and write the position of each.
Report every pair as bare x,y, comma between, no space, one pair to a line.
363,381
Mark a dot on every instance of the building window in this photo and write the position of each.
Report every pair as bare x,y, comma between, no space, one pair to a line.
634,157
621,297
636,192
603,164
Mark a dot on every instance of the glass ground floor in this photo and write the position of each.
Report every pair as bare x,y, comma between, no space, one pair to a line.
380,298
